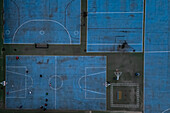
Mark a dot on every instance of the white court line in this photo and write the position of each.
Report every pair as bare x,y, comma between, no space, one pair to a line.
88,75
17,67
96,73
22,75
94,92
55,81
115,44
157,51
92,75
25,84
85,82
85,89
42,20
143,30
166,110
95,67
95,98
20,89
110,51
112,12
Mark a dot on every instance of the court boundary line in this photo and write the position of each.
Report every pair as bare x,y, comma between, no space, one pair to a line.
55,81
109,51
143,25
87,47
140,12
124,105
114,44
25,89
157,51
40,20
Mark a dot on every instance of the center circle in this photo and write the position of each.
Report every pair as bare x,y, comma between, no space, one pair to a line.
55,82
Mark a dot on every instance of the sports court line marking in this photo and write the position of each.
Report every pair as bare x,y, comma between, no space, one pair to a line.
41,20
95,67
111,12
24,75
157,51
55,82
166,110
115,44
93,75
94,98
110,51
17,67
25,83
85,82
94,92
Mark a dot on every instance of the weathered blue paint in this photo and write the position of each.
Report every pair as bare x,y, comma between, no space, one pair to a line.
157,63
111,23
42,21
78,80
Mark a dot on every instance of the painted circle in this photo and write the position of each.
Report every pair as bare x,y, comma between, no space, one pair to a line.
55,82
7,32
42,32
76,32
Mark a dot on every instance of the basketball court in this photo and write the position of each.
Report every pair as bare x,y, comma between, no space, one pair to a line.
42,21
111,23
68,82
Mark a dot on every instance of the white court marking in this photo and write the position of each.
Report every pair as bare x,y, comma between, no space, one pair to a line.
55,103
42,32
112,12
85,89
157,52
166,110
116,44
7,32
42,20
76,32
55,82
25,83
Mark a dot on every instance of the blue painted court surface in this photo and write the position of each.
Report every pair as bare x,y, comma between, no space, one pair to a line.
157,60
72,82
42,21
110,23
